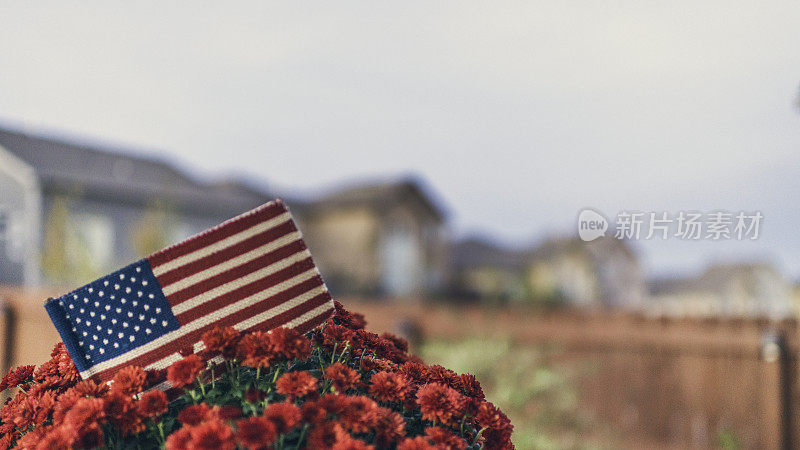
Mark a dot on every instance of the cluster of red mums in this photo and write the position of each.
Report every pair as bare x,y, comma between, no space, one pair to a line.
338,387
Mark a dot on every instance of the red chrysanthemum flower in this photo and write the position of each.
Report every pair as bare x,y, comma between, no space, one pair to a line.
122,412
333,403
351,443
283,415
296,384
90,437
184,371
227,412
153,403
129,380
378,364
194,414
44,407
57,438
48,369
48,384
255,349
439,403
33,437
64,403
15,376
255,433
443,375
337,335
66,368
31,409
389,387
290,344
85,411
471,387
179,440
414,371
445,439
326,435
342,377
211,435
417,443
221,341
349,319
389,427
359,413
6,440
498,426
312,412
88,388
399,343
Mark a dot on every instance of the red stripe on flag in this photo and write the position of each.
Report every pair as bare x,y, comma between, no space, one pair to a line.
219,232
314,322
176,298
290,314
245,291
241,248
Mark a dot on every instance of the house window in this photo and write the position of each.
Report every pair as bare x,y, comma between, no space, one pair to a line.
401,255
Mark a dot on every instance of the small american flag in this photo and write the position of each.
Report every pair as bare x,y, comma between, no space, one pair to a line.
252,272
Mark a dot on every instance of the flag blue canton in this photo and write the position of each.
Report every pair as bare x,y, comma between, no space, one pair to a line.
112,315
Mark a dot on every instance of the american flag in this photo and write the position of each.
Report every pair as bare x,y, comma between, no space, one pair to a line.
252,272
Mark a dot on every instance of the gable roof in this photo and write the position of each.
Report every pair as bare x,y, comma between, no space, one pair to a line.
108,173
714,278
379,195
478,252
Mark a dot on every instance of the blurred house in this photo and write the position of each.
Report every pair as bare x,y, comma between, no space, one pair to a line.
382,238
484,270
728,290
19,221
71,212
602,273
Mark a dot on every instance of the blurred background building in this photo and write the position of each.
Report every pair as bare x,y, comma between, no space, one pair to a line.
385,238
86,209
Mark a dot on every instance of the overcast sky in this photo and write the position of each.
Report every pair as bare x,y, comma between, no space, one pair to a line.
518,114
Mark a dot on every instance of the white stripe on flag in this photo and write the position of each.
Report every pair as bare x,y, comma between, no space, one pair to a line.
191,280
210,295
219,245
308,316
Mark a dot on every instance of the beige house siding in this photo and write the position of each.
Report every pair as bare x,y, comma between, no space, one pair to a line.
570,276
344,242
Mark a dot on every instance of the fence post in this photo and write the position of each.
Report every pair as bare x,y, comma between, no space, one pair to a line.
788,374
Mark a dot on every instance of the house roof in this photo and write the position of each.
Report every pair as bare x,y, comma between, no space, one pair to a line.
713,278
106,172
554,246
476,252
379,195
